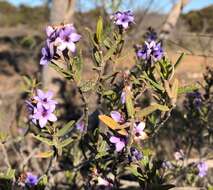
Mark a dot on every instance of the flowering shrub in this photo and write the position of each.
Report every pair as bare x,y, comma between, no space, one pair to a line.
102,154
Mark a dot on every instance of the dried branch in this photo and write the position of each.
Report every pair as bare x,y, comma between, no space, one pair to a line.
172,18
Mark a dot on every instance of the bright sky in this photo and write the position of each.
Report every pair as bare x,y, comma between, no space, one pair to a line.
160,5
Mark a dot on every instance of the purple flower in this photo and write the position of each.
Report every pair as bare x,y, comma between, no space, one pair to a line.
45,99
143,53
197,102
151,35
167,165
67,38
150,51
203,168
117,116
135,153
31,180
119,143
195,99
123,19
139,131
158,52
47,54
80,126
52,33
48,50
63,37
43,115
41,108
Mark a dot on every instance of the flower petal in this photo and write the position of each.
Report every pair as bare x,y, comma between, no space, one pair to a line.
140,127
49,31
114,139
52,117
62,46
116,116
40,93
119,146
75,37
43,61
42,122
71,46
49,95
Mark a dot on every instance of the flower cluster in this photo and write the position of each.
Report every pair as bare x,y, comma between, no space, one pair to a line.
123,19
41,108
136,155
59,38
138,131
203,168
119,143
150,51
195,99
31,180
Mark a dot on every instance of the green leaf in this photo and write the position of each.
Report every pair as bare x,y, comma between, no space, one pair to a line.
153,83
91,36
110,52
97,58
10,174
99,29
108,93
187,89
135,80
148,110
145,160
61,71
179,60
65,143
44,140
129,103
102,149
27,80
43,180
107,42
134,170
77,68
65,129
147,152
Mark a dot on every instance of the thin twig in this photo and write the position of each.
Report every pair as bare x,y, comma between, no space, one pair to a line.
86,108
6,158
26,160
